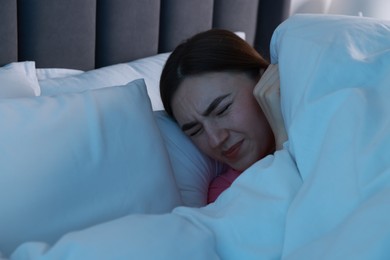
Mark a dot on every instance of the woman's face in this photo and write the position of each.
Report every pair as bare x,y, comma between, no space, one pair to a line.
220,114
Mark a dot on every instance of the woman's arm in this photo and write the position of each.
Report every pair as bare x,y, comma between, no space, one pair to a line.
267,93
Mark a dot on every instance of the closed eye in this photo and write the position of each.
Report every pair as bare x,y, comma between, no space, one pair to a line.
223,110
196,132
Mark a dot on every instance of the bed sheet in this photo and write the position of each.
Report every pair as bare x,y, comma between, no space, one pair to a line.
324,196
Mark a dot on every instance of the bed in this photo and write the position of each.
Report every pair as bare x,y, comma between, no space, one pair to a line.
91,167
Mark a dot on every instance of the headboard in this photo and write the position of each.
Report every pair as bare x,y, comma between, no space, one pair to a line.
87,34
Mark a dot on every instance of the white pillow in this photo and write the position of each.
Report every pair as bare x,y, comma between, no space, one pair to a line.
241,34
118,74
147,68
193,170
150,69
18,79
74,160
52,73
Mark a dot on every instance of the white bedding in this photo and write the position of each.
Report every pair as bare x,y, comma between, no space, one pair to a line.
336,88
326,195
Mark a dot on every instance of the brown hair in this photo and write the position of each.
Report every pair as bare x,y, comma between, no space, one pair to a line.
214,50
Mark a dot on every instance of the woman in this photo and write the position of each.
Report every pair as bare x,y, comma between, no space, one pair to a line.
207,86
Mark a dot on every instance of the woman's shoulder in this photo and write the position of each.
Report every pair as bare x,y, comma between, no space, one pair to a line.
221,183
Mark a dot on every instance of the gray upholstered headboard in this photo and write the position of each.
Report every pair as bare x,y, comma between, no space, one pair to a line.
86,34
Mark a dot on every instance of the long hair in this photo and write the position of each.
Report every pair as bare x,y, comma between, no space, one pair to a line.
215,50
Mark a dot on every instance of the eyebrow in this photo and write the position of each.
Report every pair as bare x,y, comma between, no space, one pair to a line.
213,105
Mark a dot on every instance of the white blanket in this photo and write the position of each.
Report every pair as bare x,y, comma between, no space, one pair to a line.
335,85
335,75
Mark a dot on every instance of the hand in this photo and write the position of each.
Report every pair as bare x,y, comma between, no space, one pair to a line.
267,94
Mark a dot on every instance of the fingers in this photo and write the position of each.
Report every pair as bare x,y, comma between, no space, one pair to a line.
270,76
271,72
269,80
267,94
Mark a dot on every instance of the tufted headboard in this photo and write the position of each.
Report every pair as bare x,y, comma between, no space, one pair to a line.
87,34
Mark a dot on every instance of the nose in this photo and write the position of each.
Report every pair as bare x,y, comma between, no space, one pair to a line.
216,135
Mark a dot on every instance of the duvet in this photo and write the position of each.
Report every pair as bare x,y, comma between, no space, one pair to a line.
326,195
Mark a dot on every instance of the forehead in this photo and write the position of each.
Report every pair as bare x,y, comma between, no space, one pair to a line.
206,86
196,93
